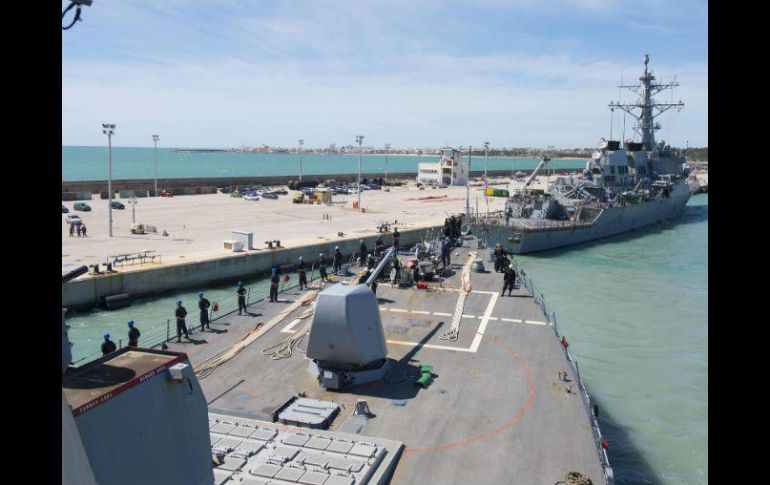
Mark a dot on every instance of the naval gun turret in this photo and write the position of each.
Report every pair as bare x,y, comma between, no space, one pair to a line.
346,341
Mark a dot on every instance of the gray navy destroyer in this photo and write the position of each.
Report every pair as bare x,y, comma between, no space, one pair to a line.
622,187
432,376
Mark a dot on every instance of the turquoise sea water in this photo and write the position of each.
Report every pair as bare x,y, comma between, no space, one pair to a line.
91,163
634,309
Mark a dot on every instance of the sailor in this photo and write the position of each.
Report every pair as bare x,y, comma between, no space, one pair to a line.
181,326
72,229
362,277
509,278
203,306
363,251
370,262
241,292
396,235
275,280
301,270
322,267
506,262
77,228
498,258
133,334
395,271
83,229
378,245
445,259
337,259
508,214
108,345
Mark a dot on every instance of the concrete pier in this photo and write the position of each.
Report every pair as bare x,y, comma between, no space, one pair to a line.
194,252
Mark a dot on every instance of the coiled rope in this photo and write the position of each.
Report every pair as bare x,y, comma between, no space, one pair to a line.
284,348
207,367
576,478
454,330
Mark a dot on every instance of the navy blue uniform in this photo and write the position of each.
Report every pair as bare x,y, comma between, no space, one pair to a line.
181,326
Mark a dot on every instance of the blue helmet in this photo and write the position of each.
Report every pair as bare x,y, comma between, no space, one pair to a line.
130,323
240,283
200,294
106,336
275,271
179,302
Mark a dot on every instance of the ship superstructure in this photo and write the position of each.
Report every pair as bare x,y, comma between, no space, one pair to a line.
621,188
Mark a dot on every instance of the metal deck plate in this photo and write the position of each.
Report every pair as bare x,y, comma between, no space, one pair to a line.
303,457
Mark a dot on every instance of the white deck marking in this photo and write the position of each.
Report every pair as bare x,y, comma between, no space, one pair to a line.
290,327
429,346
421,312
469,316
400,310
514,320
483,326
534,322
440,314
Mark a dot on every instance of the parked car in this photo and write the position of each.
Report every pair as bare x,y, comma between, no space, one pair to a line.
74,219
82,206
64,210
280,191
268,195
117,205
251,197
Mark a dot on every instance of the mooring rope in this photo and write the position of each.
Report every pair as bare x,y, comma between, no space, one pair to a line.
465,283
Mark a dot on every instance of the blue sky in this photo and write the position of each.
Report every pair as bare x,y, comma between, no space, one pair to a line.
517,73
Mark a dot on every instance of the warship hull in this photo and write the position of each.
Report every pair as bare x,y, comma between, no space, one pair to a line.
611,221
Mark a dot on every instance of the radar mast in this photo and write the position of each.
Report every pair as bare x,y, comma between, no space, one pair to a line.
645,121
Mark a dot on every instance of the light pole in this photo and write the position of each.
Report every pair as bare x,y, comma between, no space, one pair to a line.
301,142
468,185
155,156
109,130
133,209
387,147
486,156
359,140
486,181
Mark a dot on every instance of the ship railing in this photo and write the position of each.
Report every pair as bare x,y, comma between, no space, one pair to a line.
162,333
550,317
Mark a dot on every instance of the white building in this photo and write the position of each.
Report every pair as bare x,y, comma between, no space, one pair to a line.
448,170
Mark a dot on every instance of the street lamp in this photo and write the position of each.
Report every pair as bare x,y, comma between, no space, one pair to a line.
359,140
109,130
486,181
387,147
155,139
301,142
133,203
468,185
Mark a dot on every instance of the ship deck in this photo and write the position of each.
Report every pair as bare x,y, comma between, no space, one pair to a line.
497,412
